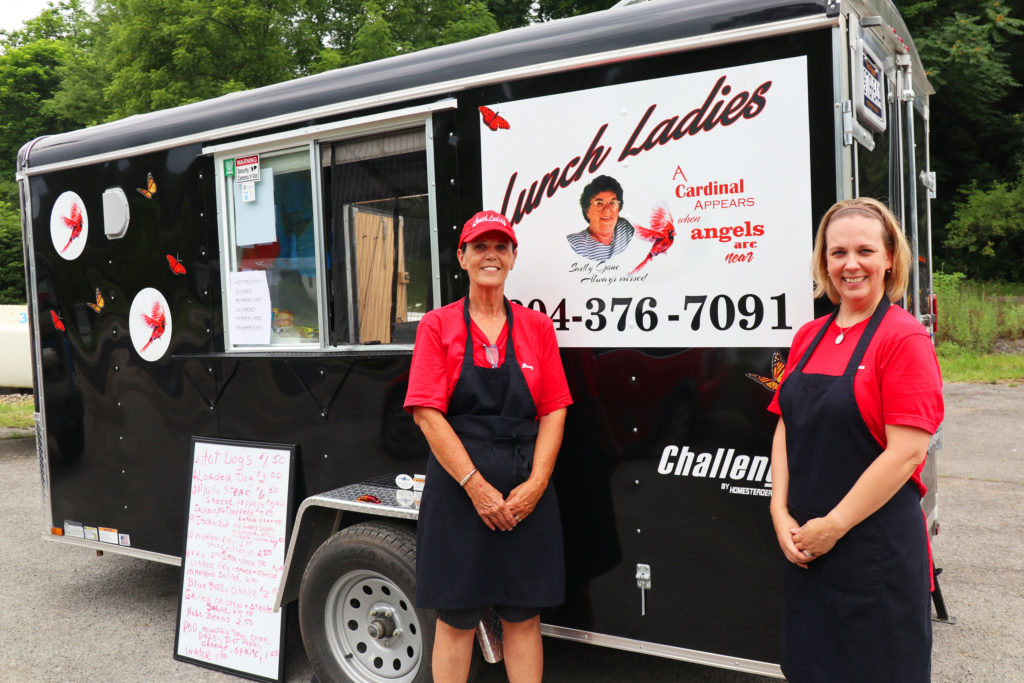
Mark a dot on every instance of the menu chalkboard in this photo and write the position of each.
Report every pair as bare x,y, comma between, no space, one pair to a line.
236,538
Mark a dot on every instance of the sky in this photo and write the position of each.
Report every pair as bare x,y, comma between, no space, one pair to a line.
13,13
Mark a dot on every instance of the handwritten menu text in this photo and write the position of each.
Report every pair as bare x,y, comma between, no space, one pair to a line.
234,558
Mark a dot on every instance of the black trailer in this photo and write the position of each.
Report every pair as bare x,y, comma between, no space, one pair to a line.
253,267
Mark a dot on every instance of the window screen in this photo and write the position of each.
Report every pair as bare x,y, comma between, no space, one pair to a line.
376,210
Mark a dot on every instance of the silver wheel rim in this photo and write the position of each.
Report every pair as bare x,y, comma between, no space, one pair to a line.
355,605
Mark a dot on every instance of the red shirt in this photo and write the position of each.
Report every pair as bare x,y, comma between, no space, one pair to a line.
441,346
898,383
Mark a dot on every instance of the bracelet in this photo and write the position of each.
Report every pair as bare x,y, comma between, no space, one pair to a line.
466,478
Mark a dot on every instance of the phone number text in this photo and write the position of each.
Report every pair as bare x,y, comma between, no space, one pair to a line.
747,312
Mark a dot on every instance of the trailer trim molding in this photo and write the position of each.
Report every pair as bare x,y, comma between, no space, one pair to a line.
336,130
666,651
101,547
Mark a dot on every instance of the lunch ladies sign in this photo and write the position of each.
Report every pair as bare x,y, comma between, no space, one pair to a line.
712,243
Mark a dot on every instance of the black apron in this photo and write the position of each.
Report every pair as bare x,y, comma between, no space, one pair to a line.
461,564
860,612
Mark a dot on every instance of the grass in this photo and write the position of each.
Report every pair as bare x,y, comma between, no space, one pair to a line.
16,412
980,330
974,315
992,368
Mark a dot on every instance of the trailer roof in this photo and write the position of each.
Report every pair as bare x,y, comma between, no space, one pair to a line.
450,66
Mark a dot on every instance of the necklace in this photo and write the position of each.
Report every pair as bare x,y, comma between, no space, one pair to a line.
842,332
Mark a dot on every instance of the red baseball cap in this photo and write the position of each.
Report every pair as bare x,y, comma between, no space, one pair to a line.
486,221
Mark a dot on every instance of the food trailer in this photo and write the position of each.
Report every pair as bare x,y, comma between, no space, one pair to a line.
251,269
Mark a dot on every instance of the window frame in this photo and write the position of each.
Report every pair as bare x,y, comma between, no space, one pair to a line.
312,137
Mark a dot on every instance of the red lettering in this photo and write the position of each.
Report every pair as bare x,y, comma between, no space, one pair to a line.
551,182
704,118
739,258
734,109
629,150
757,99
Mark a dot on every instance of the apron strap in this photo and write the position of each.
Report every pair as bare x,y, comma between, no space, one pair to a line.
814,343
510,347
862,343
865,339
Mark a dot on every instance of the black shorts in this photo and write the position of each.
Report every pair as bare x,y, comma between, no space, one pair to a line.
466,619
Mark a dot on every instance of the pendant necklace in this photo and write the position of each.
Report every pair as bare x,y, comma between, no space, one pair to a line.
842,332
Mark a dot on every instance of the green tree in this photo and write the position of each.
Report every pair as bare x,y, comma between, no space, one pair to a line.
557,9
163,53
12,272
59,21
974,57
510,13
28,77
353,32
84,72
32,76
986,234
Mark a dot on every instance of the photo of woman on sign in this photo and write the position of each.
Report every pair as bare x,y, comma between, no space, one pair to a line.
607,234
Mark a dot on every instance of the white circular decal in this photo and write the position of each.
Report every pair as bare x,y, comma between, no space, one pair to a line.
149,323
69,226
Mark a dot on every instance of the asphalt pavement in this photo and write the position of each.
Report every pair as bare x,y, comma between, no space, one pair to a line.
67,615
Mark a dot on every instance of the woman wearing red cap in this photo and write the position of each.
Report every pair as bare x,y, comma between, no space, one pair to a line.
487,388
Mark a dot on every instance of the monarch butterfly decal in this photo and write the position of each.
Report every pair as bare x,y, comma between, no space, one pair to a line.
176,267
98,306
150,187
778,369
492,120
57,322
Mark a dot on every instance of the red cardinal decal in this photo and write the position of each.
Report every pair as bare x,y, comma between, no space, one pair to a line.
57,322
175,265
662,233
74,222
157,321
492,120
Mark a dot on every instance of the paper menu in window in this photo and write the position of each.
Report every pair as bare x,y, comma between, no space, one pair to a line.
249,307
255,219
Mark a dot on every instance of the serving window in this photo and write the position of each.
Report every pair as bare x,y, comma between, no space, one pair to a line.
273,229
328,242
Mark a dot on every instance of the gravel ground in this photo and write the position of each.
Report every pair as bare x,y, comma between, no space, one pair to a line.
68,616
980,545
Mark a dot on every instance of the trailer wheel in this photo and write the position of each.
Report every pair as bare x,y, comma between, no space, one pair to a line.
356,608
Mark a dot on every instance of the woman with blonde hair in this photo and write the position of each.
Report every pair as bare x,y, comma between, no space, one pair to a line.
858,405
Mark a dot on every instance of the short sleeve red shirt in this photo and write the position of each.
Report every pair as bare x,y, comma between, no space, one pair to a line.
441,346
898,381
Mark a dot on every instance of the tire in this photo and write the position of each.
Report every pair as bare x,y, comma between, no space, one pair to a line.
368,567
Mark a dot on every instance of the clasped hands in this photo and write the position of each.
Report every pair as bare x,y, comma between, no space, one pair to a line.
804,544
502,513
